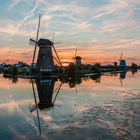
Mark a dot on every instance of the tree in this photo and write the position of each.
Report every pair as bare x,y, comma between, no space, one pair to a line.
71,69
14,70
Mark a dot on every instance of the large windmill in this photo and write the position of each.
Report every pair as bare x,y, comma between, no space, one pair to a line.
45,58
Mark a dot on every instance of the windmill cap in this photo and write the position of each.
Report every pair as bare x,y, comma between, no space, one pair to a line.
78,57
45,42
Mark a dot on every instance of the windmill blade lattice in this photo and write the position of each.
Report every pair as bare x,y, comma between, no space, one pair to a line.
57,59
36,40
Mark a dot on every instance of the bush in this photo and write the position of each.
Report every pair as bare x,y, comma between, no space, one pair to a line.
71,69
14,70
95,69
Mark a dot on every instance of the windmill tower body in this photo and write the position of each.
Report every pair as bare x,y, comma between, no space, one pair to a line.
122,62
77,60
45,62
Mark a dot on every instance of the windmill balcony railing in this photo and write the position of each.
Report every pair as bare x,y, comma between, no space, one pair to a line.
46,70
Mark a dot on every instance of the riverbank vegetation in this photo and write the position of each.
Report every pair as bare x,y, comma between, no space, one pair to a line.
71,70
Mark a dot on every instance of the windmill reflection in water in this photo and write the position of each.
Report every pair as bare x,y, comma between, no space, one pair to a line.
46,95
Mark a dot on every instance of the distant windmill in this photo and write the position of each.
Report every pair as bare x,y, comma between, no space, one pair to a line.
122,62
45,59
77,59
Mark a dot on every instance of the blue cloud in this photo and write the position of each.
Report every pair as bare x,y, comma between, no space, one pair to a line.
79,22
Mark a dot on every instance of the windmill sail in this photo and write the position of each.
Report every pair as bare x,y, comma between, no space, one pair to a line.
32,42
121,56
36,40
57,59
57,55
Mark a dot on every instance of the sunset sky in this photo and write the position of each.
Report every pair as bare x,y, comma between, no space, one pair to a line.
100,29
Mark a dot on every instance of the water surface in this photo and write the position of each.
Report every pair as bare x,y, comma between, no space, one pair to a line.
106,107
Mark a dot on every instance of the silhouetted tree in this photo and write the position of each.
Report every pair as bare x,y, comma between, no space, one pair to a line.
71,69
14,70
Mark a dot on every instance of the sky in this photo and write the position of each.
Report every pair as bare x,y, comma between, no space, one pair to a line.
100,29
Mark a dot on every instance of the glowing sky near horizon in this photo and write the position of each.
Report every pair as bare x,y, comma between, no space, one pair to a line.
100,29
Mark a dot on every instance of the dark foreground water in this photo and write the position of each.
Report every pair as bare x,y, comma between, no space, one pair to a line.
89,108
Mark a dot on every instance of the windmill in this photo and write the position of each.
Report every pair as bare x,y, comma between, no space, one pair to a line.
45,59
77,59
122,62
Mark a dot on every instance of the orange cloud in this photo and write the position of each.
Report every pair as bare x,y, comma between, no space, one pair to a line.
8,55
14,55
